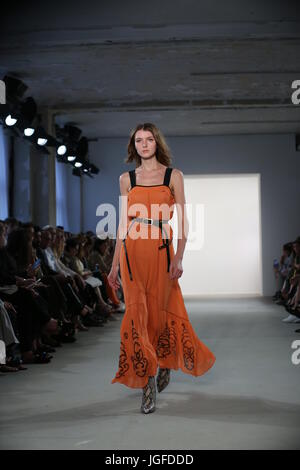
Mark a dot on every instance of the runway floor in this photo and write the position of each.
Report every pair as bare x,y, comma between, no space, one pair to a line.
250,399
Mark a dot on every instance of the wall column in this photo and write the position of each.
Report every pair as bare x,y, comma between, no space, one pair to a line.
42,179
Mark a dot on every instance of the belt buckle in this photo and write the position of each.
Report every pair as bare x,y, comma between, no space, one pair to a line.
151,221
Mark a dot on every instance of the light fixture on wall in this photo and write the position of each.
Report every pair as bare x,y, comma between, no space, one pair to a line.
15,89
77,150
11,120
23,121
28,113
61,150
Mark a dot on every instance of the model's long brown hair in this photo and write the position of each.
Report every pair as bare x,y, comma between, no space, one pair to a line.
163,153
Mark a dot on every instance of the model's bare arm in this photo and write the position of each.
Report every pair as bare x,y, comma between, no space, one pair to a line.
121,232
183,225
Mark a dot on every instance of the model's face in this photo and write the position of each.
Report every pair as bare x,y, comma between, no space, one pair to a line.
145,144
53,234
38,238
74,250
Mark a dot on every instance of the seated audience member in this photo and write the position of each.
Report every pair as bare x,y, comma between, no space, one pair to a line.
72,284
71,259
97,263
20,290
290,292
12,362
282,269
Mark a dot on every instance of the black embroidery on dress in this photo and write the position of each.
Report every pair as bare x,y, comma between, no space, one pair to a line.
167,340
126,335
123,365
188,348
140,363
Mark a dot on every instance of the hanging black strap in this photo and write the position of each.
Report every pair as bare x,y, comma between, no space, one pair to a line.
166,241
167,176
166,244
132,178
124,243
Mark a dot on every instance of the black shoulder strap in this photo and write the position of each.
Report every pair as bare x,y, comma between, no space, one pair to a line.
167,175
132,178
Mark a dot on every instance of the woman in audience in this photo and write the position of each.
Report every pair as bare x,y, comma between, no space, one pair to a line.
9,339
282,268
73,286
72,260
19,289
96,263
290,293
40,292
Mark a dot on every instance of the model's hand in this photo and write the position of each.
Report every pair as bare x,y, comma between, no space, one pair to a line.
113,278
176,268
86,274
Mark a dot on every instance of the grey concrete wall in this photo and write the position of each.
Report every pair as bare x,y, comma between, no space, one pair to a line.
39,185
73,201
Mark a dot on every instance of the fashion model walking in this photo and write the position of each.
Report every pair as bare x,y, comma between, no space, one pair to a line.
155,332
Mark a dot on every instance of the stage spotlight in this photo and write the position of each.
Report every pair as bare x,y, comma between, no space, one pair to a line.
28,112
42,141
41,136
76,149
11,120
69,136
82,148
94,169
29,131
28,109
61,150
86,171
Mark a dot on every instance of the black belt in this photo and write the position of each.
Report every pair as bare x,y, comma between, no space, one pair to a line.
166,242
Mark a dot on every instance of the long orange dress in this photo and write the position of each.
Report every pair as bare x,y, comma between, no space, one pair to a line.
155,329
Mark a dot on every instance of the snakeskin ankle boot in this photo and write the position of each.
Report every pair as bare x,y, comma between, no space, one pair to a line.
162,379
149,397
